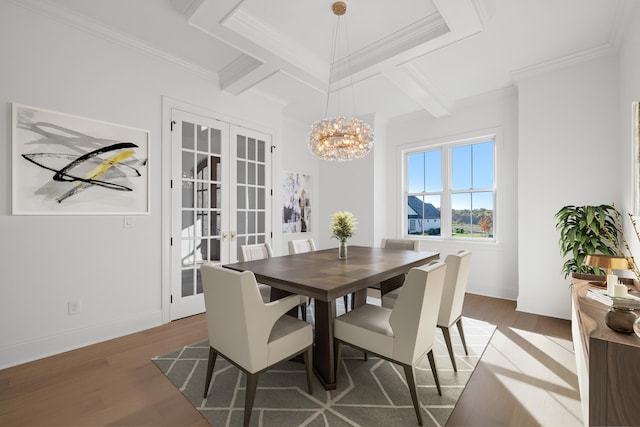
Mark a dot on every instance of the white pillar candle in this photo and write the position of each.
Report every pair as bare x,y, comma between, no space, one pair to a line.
612,281
620,291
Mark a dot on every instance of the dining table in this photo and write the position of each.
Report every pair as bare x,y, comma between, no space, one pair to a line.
322,276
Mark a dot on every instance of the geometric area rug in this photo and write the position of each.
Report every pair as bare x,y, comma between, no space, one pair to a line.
371,393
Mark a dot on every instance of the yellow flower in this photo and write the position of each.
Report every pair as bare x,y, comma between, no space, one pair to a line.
343,225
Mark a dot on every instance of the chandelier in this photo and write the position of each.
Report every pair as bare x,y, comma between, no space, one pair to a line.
339,138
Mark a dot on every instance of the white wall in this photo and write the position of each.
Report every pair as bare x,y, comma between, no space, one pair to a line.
494,266
348,186
48,260
294,156
568,155
629,92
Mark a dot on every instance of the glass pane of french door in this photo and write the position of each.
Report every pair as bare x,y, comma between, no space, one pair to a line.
252,186
199,206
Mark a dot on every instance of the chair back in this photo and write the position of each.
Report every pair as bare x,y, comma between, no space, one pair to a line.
455,286
414,315
301,245
408,244
234,308
255,252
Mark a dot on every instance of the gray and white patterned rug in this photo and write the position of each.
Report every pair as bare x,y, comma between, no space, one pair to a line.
371,393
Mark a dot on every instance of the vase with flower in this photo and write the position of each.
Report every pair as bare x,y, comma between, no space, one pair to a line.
343,227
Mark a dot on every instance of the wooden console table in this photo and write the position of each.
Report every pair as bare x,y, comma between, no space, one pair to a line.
608,362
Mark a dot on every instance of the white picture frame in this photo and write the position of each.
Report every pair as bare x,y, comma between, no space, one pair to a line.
70,165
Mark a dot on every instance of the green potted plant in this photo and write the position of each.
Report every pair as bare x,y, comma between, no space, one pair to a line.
586,230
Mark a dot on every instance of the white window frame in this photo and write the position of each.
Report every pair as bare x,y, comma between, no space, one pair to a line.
446,145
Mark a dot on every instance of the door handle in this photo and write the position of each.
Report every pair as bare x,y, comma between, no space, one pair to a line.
224,235
233,235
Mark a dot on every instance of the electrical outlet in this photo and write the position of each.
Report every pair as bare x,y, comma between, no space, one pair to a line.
75,307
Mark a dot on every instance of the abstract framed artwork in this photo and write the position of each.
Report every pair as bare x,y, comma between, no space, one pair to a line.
296,203
70,165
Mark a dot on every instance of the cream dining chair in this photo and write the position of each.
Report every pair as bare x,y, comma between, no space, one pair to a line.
255,252
249,333
299,246
263,251
402,335
406,244
455,286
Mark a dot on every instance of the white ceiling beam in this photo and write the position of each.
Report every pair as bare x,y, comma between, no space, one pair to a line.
243,73
418,87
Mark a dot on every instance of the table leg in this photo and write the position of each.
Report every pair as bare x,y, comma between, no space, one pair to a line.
360,297
323,351
391,284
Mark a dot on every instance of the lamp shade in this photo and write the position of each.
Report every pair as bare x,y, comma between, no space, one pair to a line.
609,262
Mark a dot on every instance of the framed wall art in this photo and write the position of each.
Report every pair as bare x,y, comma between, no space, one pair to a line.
70,165
296,203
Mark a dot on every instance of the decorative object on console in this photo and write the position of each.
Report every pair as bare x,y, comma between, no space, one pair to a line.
340,138
621,318
343,227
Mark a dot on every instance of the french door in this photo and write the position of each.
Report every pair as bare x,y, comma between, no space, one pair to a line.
220,199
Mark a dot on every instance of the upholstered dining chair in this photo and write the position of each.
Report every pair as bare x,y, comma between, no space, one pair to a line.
455,286
299,246
402,335
407,244
255,252
249,333
263,251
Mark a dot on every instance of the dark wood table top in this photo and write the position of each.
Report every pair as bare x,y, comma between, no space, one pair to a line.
321,275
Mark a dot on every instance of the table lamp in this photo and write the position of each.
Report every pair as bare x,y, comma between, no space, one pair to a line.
609,262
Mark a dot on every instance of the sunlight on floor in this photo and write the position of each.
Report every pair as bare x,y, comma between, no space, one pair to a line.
540,372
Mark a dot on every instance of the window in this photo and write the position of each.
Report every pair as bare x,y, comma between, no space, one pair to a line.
450,190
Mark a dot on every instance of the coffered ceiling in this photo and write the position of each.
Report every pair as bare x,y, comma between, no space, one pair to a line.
393,58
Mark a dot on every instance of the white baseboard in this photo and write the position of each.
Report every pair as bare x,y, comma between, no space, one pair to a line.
27,351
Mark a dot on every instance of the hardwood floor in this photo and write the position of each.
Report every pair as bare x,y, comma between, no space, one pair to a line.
526,377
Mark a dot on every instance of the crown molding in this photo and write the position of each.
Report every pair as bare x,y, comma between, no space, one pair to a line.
601,51
619,27
93,27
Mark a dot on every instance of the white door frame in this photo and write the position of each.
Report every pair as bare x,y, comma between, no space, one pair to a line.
168,104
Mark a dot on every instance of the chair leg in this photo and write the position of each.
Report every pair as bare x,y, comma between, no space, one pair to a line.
252,385
303,311
411,382
447,340
308,365
464,343
212,362
432,363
